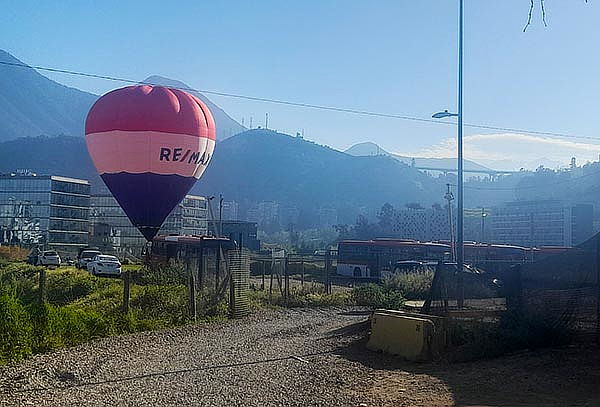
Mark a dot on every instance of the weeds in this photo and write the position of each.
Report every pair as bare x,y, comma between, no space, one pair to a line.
378,296
82,307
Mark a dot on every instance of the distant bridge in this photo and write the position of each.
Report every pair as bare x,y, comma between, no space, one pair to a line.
488,171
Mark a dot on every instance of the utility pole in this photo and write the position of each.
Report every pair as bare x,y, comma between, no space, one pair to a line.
460,259
450,197
266,121
220,215
483,216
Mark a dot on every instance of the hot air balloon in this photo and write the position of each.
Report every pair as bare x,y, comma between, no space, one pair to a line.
149,144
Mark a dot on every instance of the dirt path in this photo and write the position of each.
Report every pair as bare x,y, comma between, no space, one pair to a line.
308,357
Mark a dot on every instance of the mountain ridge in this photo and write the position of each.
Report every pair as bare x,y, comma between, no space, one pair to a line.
33,105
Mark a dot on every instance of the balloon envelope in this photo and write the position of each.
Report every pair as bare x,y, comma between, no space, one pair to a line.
149,144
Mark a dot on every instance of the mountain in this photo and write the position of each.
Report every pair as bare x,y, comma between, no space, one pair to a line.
370,148
259,165
226,126
33,105
262,165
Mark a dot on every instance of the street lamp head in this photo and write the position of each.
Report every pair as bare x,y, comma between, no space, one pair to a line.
444,114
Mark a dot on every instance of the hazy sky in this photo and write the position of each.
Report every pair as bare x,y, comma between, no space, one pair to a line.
394,56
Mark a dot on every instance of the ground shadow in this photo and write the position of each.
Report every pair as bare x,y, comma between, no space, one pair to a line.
550,377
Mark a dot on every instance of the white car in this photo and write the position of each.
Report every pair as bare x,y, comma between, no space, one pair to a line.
85,257
104,265
48,258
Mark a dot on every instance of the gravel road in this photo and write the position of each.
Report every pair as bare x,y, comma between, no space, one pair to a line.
277,358
301,357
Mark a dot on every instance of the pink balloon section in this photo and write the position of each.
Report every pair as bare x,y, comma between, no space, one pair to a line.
150,144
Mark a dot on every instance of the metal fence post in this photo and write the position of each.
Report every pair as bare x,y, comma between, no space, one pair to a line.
598,289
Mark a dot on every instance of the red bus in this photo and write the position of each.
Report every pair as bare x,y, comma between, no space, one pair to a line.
373,259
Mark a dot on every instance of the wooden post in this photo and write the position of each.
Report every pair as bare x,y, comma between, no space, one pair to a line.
262,269
218,268
201,268
287,280
126,290
192,291
42,286
271,282
327,262
514,290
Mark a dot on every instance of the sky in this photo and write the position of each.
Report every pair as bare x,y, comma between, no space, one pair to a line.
396,56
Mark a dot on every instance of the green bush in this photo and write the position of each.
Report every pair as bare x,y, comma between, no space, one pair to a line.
15,330
165,304
309,295
160,273
19,280
378,296
69,285
82,307
413,286
55,327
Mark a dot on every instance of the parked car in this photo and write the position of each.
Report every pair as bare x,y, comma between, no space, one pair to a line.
105,265
85,256
48,258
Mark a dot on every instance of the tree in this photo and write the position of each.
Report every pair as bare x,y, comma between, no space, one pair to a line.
385,215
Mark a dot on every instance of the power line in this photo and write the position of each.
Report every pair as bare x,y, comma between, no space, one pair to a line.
303,105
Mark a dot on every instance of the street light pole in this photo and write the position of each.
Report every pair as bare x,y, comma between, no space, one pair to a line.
460,199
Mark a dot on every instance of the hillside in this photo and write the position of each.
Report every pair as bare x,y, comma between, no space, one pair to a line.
258,165
370,149
32,105
262,165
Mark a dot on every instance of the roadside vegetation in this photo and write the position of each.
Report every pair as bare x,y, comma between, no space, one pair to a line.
80,307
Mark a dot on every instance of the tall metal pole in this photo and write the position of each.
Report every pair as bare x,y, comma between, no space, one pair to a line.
449,197
459,222
483,215
220,215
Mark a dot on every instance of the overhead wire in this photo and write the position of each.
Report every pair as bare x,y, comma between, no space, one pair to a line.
304,105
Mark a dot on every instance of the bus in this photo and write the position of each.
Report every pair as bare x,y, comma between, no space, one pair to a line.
377,258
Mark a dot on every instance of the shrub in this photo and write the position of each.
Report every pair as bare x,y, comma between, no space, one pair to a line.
161,273
15,330
19,280
378,296
13,253
413,286
69,285
56,327
166,304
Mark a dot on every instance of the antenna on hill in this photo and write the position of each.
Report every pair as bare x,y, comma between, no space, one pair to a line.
242,122
266,120
250,121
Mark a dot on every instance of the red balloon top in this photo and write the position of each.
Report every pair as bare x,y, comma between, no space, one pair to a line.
151,108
